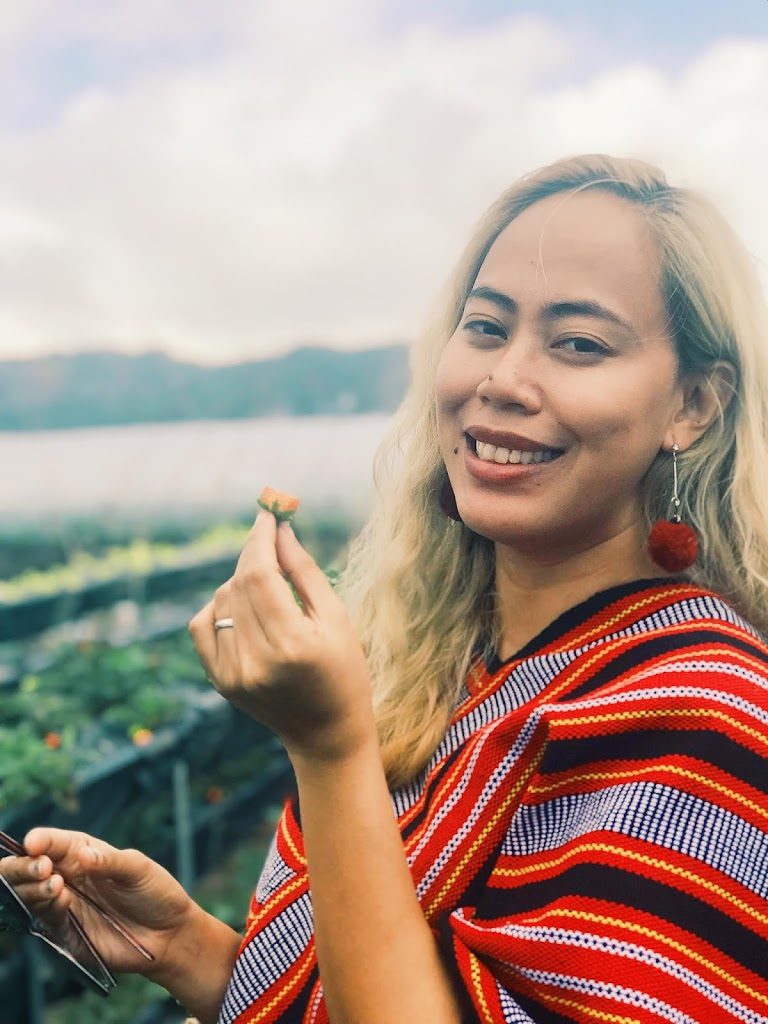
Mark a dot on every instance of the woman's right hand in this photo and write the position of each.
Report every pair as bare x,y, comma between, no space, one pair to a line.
146,898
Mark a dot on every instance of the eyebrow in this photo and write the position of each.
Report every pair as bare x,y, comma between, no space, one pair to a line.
555,310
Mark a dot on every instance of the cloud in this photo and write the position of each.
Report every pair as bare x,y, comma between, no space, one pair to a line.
288,171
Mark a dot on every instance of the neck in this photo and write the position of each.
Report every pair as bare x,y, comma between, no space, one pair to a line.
532,592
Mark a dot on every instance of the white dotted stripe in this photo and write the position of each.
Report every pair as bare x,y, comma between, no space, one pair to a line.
609,990
629,950
268,957
668,818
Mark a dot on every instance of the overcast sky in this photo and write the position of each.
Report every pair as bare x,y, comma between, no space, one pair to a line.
225,180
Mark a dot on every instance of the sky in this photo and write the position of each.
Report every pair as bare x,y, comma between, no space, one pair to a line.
224,181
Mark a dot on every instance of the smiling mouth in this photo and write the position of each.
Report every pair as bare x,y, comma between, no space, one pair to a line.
510,456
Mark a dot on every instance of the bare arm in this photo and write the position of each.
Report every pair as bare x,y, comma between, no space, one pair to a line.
379,962
198,965
299,669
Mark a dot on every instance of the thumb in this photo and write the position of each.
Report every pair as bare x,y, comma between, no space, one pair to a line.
108,862
303,571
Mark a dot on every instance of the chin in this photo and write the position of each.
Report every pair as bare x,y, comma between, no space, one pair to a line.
501,530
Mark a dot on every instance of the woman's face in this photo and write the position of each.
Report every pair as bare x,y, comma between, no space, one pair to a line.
562,357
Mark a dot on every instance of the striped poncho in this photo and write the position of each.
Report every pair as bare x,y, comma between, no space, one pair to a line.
590,840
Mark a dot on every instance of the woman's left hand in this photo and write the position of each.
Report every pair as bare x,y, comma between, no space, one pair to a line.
298,669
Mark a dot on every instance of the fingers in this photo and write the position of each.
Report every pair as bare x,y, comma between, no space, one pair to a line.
259,580
35,883
71,855
129,867
305,574
20,870
59,844
68,852
204,638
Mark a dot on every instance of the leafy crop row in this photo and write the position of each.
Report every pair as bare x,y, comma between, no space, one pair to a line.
135,559
88,702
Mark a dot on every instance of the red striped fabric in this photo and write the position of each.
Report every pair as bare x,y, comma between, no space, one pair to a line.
589,842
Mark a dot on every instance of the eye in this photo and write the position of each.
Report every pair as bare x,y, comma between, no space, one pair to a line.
484,327
584,346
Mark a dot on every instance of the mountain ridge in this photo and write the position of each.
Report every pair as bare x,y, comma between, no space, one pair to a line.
107,388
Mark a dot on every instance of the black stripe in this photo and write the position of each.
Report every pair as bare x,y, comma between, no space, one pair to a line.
541,1014
643,744
297,1009
653,645
581,613
630,891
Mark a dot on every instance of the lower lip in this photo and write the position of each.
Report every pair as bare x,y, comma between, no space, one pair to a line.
496,472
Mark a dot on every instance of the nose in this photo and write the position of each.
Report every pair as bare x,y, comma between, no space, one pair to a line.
511,382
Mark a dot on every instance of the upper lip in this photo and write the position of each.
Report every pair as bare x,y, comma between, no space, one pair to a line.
503,439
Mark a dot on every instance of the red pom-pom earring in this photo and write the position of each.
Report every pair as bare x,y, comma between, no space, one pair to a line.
672,544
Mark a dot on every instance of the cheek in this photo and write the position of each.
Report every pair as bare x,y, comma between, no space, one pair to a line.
450,383
629,411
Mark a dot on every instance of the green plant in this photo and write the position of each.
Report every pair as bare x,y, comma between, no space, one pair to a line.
29,767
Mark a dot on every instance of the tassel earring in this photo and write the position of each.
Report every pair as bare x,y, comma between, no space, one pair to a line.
672,544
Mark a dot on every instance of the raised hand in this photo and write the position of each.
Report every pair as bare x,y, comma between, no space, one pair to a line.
298,668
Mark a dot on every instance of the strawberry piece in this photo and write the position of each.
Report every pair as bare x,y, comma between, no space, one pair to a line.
281,504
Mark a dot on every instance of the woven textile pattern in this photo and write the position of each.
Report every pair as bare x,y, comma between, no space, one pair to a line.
589,842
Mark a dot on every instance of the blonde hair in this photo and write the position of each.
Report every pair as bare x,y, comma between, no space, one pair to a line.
421,587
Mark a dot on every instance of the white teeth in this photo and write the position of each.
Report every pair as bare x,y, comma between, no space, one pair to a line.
490,453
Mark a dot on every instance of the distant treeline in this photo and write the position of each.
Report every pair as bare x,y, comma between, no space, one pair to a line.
102,388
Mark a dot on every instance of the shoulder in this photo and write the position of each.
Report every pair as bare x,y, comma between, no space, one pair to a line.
693,683
688,632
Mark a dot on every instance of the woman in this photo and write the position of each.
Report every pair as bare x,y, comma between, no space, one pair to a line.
572,734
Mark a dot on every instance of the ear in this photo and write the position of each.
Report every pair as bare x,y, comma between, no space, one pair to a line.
702,395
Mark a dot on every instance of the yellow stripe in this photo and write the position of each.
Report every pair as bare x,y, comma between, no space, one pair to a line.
477,982
295,980
447,785
689,876
540,787
296,883
481,837
718,650
645,715
289,840
613,1018
611,647
651,933
606,625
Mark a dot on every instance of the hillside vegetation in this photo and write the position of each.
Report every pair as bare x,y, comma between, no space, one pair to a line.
102,388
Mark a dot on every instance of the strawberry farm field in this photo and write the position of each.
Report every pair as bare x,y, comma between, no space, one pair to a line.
108,724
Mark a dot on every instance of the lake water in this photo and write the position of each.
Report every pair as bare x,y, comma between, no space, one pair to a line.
187,467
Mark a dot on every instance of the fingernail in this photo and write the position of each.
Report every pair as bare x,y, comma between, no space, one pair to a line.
49,886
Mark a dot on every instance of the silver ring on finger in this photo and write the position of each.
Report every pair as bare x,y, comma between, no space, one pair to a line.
227,623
